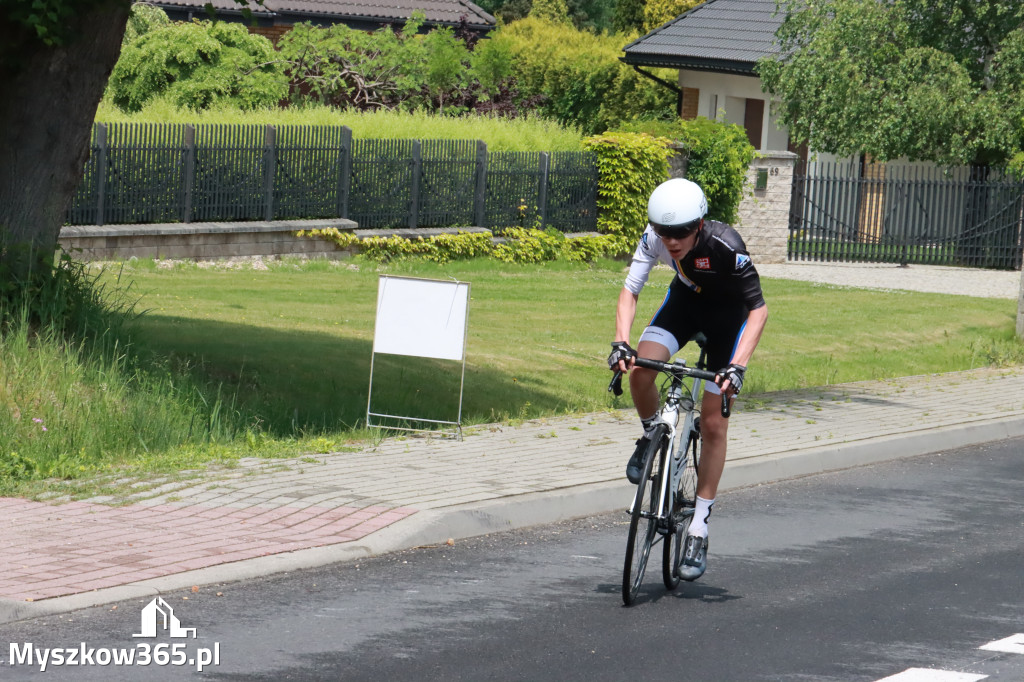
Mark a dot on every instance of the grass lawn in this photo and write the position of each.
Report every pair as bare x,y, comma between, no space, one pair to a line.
293,343
279,360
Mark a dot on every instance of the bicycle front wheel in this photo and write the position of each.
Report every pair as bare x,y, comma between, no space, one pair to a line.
643,522
682,513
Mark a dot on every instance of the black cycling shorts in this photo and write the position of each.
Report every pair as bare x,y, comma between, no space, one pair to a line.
684,313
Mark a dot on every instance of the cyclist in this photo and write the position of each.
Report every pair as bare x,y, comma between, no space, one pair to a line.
716,291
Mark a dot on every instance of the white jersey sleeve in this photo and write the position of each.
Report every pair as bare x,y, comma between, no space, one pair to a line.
648,252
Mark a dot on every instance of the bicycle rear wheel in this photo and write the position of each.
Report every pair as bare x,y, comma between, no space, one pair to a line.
643,522
685,499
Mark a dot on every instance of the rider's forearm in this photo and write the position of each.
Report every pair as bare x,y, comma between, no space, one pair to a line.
624,314
751,335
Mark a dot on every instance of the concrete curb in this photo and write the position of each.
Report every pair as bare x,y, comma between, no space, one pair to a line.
460,522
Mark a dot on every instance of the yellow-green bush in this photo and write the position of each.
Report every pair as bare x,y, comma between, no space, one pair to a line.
519,245
630,166
580,75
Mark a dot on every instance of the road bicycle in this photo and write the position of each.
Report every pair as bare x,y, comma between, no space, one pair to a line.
667,492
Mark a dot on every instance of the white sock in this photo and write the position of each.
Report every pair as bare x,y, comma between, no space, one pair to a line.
701,514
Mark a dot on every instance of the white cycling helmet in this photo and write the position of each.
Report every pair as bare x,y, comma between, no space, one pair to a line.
676,207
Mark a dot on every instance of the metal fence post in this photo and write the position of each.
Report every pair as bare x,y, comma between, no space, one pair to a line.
189,172
101,172
480,192
269,168
542,201
345,172
417,169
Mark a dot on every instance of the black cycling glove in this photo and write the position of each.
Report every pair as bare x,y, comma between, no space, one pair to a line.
734,373
620,351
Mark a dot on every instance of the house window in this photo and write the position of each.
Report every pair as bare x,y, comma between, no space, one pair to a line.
713,107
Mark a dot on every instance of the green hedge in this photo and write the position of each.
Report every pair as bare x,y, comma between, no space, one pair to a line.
719,155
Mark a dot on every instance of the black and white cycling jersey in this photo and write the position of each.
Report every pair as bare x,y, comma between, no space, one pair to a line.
718,268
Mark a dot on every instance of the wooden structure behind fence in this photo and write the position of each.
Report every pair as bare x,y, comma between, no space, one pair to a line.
160,173
906,214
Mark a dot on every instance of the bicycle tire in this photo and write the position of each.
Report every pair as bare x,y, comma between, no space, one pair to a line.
642,529
685,499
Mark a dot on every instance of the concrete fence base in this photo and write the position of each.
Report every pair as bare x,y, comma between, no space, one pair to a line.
202,241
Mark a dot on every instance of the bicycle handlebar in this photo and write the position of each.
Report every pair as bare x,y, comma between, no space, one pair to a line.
675,369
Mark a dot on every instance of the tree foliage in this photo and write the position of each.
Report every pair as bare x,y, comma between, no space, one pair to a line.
580,77
585,15
555,11
197,65
658,12
628,17
144,19
444,70
937,80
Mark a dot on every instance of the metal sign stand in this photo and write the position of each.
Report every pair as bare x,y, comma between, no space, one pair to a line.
425,318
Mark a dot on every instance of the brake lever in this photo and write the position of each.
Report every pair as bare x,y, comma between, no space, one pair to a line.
616,385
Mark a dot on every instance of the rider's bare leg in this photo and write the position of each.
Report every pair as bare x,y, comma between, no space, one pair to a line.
714,431
642,381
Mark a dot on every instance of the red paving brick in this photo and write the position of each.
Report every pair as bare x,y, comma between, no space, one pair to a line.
56,550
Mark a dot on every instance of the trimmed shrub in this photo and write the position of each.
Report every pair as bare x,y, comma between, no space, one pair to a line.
519,245
718,157
630,166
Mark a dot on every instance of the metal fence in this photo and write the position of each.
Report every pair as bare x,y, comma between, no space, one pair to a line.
154,173
891,213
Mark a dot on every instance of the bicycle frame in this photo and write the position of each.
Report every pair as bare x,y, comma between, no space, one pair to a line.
676,403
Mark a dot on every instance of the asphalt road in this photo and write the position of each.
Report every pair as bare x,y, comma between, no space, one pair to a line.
856,575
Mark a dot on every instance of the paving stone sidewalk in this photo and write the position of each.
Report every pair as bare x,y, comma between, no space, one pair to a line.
269,507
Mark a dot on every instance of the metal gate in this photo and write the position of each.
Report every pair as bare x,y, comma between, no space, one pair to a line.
897,213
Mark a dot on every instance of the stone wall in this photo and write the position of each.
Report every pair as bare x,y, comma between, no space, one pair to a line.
201,241
764,214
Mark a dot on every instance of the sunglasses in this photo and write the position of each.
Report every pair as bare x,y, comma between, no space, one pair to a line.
676,231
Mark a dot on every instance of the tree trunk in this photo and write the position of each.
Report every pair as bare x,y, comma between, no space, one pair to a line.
48,100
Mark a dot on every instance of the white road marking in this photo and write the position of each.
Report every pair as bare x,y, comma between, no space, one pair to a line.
929,675
1014,644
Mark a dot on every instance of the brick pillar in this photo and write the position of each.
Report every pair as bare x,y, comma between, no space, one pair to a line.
764,214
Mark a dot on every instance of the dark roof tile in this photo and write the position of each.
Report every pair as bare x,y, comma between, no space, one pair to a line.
436,11
728,35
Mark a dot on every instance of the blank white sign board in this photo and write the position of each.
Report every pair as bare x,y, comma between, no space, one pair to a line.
423,318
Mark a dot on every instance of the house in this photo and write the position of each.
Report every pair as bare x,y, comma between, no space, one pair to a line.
840,208
273,18
715,47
